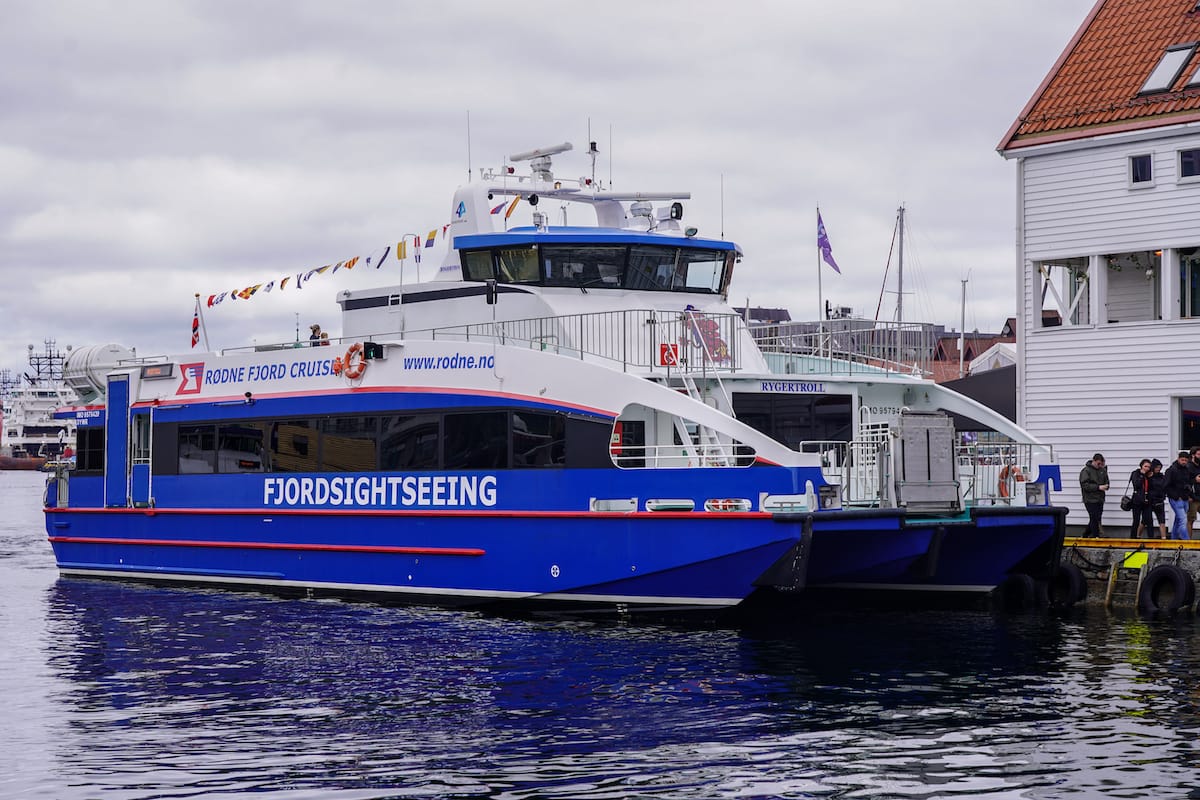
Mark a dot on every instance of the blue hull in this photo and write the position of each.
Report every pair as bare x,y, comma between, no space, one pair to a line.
888,550
646,559
676,559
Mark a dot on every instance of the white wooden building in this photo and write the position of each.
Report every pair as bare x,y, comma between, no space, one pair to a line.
1107,156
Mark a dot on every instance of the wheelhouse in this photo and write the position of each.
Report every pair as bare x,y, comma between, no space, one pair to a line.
588,258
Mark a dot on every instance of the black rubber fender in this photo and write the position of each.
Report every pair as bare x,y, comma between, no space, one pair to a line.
1017,593
1166,588
1067,586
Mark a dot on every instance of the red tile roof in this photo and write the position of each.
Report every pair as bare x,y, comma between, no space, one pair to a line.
1093,87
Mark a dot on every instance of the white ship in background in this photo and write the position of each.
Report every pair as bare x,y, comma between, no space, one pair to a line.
30,435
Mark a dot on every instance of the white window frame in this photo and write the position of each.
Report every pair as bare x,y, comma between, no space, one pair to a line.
1153,172
1171,63
1180,177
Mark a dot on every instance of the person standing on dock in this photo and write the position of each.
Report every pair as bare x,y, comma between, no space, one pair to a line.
1194,499
1179,493
1093,483
1139,480
1158,498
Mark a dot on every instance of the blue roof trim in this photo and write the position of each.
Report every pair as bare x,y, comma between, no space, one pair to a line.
582,235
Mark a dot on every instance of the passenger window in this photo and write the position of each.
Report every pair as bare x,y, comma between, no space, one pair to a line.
477,440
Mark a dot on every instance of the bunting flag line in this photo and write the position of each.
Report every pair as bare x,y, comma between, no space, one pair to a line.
399,252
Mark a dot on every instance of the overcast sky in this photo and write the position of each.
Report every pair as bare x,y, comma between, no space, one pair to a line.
153,150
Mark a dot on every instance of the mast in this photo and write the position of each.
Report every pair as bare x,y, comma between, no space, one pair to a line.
962,329
900,267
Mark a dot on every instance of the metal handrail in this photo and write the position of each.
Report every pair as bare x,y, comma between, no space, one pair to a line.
667,341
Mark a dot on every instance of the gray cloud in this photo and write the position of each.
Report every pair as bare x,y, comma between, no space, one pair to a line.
153,150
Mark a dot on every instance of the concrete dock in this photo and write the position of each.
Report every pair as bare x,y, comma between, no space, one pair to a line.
1151,575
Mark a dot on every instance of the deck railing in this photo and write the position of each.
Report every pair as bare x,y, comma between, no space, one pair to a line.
849,346
994,473
668,341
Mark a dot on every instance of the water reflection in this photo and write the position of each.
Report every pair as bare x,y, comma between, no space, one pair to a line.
164,688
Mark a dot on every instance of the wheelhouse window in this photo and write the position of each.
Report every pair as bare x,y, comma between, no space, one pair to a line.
1189,163
1168,69
581,265
1064,285
477,265
641,267
676,269
1133,285
518,265
1141,170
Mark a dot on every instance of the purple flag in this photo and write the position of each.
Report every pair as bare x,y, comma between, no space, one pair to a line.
823,244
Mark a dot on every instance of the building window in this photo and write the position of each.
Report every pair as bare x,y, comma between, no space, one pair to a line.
1168,69
1141,170
1189,282
1132,291
1065,292
1189,163
1189,418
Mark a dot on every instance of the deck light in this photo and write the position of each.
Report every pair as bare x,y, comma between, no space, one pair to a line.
533,199
676,210
690,232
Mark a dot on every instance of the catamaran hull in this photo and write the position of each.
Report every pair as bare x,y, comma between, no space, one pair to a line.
687,560
891,550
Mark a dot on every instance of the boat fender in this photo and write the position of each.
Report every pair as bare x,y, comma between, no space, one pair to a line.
1067,586
1018,593
354,365
1165,588
1011,473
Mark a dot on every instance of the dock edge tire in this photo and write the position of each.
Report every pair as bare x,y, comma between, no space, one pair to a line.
1017,593
1166,588
1067,586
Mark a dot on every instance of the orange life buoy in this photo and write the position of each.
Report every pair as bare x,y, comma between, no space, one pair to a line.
1010,472
354,365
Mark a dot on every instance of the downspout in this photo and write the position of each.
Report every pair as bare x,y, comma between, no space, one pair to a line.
1024,309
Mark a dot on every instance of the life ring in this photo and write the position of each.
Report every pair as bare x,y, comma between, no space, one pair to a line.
1011,472
354,365
1166,588
1066,587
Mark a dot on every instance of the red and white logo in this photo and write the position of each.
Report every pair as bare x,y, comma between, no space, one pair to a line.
193,378
668,355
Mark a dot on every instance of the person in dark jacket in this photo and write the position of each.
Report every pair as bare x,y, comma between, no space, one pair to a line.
1093,483
1194,501
1158,498
1139,482
1179,492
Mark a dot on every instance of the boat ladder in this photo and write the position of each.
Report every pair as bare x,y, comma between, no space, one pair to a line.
1125,580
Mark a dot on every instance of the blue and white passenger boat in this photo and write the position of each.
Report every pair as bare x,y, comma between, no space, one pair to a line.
568,416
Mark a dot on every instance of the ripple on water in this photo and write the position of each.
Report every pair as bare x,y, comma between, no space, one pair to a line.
126,691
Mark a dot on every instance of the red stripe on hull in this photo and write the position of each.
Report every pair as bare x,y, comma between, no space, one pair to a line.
383,512
328,548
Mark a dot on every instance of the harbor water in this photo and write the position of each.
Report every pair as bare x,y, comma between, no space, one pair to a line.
127,691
